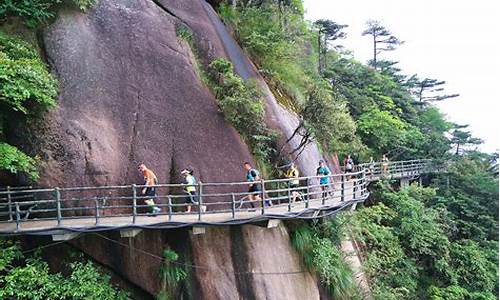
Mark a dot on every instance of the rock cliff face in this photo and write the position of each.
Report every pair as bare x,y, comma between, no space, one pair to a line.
130,93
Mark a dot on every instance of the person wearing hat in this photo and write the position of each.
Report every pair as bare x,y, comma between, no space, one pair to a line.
189,188
293,183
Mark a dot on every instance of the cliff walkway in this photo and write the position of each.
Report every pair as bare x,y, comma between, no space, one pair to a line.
70,210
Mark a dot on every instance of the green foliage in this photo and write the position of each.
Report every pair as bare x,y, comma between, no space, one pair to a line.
30,278
381,129
26,87
24,78
15,49
328,120
243,107
171,275
275,38
449,293
184,32
279,42
388,117
322,255
472,268
36,12
85,4
15,161
434,243
469,193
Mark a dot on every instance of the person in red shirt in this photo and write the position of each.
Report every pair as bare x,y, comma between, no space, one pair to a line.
149,189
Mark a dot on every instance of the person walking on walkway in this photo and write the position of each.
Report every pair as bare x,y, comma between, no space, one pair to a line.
189,188
149,189
348,164
324,180
254,190
293,183
385,164
371,166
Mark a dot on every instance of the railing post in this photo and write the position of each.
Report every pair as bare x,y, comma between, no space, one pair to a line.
324,194
363,184
200,198
9,201
307,193
289,197
169,208
263,196
96,211
134,203
18,216
58,205
233,205
354,186
342,188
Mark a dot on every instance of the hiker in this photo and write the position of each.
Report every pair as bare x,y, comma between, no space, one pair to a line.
293,183
348,164
190,188
371,166
149,190
254,189
385,163
324,180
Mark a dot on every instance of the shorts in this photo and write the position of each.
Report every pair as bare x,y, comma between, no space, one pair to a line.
150,192
293,185
191,197
254,189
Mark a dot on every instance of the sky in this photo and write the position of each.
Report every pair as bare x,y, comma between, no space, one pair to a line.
455,41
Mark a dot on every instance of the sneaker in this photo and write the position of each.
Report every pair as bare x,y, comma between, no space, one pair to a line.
156,211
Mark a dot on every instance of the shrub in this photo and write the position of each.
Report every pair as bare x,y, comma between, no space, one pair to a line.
15,161
24,78
26,87
171,275
30,278
323,256
242,105
36,12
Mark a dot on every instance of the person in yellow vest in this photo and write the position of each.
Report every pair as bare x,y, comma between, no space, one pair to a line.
189,188
293,183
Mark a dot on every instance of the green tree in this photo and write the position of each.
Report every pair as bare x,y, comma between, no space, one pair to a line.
427,89
463,138
383,40
328,31
26,90
381,130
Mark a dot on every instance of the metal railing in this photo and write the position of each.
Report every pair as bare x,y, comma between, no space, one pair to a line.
276,196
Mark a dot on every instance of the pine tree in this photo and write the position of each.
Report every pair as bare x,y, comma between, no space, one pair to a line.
383,40
328,31
427,89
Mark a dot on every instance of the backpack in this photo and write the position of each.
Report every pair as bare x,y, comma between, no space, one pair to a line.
252,174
